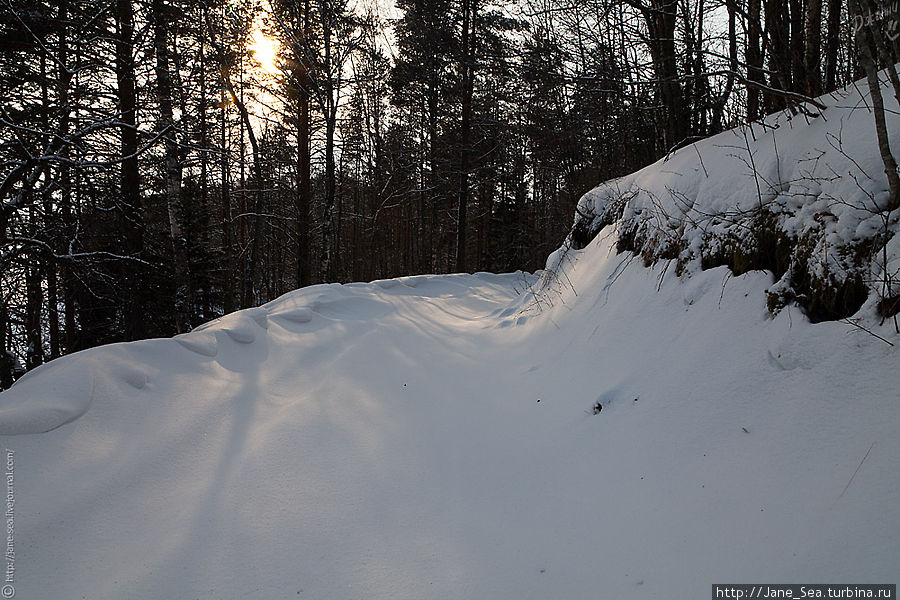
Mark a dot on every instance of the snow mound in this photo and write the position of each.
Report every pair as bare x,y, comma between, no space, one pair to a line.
800,195
42,401
63,390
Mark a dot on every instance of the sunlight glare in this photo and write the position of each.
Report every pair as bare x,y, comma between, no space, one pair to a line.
265,51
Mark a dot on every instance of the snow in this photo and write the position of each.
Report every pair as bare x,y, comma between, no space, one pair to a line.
436,436
820,176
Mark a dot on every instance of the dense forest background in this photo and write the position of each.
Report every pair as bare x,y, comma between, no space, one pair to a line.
153,175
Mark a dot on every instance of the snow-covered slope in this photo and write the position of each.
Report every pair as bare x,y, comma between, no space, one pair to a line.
435,437
604,431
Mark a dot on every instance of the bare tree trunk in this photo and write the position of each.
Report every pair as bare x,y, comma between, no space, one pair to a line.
249,297
328,231
661,18
432,170
754,59
304,188
779,52
867,51
884,51
129,183
697,100
423,250
813,48
64,78
7,363
329,112
832,43
183,290
53,335
798,46
703,100
34,300
468,78
228,304
228,292
49,265
722,101
204,212
251,268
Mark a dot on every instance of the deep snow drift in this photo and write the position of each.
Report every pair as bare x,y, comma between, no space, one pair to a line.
613,432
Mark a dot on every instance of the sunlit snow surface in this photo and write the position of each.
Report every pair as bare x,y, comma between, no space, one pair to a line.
434,437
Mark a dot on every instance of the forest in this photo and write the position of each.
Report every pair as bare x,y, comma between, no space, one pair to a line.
156,174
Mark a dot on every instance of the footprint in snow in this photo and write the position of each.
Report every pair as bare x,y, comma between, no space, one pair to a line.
352,308
241,332
387,284
413,282
202,343
135,378
301,315
259,316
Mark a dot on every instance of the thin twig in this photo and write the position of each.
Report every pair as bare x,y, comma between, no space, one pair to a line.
870,332
857,469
